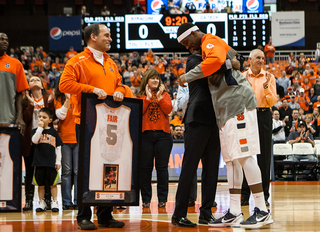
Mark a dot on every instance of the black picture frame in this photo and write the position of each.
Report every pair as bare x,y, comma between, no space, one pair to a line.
14,147
89,133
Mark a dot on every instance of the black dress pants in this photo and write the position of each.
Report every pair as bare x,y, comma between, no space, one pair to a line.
201,142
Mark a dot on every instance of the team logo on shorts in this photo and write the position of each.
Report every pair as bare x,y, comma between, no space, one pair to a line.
209,46
7,65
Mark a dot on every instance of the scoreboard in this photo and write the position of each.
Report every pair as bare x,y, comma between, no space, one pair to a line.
158,32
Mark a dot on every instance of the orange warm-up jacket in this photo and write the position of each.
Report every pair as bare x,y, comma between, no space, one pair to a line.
83,73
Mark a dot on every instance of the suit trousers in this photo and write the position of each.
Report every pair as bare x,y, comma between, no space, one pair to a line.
264,159
201,142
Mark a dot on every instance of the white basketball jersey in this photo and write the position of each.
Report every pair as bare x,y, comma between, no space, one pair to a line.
111,144
6,169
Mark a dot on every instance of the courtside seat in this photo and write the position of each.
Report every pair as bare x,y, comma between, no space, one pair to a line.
283,168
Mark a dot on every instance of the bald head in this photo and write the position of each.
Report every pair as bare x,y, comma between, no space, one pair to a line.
254,52
4,43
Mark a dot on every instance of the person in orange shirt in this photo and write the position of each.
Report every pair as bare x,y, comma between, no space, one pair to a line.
150,55
269,51
70,149
317,103
93,71
136,80
71,53
156,138
264,86
303,100
312,78
175,61
56,63
160,65
306,85
178,118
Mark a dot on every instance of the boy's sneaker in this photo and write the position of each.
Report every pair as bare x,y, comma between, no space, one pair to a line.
257,219
42,206
55,206
228,220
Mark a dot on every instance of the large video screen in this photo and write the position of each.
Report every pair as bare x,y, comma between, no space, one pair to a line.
159,32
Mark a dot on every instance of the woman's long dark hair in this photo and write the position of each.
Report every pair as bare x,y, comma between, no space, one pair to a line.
147,75
58,94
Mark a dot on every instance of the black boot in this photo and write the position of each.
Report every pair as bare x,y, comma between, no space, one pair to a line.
28,206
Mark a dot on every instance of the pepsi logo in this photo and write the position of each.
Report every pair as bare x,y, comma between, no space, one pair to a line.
252,5
56,33
156,5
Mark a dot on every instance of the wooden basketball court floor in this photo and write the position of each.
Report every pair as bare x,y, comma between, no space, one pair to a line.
295,207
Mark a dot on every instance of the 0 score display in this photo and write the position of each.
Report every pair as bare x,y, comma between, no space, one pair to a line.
159,32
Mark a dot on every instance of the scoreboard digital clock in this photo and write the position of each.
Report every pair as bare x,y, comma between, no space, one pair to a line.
159,32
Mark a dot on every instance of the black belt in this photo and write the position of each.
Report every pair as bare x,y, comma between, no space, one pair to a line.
263,109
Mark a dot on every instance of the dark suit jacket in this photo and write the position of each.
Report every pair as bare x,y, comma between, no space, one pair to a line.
199,108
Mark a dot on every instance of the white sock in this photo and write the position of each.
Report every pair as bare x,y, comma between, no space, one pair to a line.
259,201
235,204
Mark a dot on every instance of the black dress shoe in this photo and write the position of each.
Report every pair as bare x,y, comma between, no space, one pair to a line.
191,204
182,221
205,219
112,223
244,202
214,204
28,206
86,225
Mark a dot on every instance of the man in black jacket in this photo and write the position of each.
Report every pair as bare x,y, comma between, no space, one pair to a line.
201,139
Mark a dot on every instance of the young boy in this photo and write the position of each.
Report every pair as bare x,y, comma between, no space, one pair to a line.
47,157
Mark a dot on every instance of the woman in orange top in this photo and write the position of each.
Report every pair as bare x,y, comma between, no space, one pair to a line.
136,80
69,162
156,138
306,86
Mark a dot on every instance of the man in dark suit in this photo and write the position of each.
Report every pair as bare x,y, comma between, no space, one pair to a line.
201,139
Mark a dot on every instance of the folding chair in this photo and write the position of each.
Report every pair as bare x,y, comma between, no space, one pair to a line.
284,168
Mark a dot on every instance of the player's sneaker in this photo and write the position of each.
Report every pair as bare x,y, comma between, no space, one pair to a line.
42,206
55,206
257,219
228,220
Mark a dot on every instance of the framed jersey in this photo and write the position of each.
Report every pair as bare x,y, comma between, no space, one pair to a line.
10,169
109,152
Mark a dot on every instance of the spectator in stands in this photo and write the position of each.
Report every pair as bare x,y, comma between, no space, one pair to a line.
105,11
307,70
285,110
303,100
316,115
168,87
293,104
54,77
278,104
289,69
35,99
168,75
137,9
150,55
174,102
300,68
316,86
297,78
71,53
136,80
178,118
160,65
313,98
283,81
306,86
84,11
35,71
317,54
269,51
56,63
292,59
302,59
177,134
317,103
70,148
278,132
293,121
301,113
310,125
301,135
163,10
156,138
208,9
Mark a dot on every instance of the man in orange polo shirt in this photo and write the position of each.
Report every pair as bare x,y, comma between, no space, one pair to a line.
13,83
93,71
264,87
